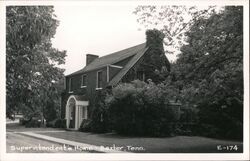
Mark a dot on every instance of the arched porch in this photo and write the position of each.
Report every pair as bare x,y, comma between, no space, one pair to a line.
76,111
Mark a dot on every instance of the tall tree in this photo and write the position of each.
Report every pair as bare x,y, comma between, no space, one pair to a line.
173,21
31,61
213,58
210,70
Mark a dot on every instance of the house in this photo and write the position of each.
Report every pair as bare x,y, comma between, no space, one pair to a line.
138,62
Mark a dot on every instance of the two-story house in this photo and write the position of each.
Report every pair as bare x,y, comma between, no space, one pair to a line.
137,62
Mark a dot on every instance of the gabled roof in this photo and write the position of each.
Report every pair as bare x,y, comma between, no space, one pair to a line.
114,58
128,66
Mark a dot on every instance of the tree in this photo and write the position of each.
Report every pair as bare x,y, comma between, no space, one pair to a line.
210,69
214,55
173,21
31,61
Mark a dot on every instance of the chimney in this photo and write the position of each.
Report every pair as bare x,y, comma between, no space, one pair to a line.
154,38
90,58
154,41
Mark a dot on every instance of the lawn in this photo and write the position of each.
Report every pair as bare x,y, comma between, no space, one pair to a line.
177,144
15,127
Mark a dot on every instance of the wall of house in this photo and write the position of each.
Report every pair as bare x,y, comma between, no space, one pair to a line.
89,91
91,83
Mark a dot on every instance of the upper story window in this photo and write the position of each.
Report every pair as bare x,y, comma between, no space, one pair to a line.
70,85
84,81
99,80
140,75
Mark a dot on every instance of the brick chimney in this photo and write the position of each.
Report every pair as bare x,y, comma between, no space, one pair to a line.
154,38
90,58
154,41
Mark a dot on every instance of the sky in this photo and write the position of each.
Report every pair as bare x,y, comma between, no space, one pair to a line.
99,30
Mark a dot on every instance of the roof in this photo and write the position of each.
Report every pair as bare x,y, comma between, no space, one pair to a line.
128,66
114,58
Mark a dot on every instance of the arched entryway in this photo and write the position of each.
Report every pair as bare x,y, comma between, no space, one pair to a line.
76,111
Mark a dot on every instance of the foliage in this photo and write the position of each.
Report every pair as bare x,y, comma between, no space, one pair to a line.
23,121
155,59
51,123
53,103
60,123
209,71
86,125
173,21
31,61
207,77
100,117
56,123
139,108
34,123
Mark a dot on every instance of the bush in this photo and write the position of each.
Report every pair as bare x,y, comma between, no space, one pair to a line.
57,123
23,121
50,112
51,123
34,123
189,129
222,120
85,125
140,109
60,123
100,118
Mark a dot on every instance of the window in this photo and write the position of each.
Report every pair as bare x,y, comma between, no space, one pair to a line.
99,80
83,81
70,85
140,75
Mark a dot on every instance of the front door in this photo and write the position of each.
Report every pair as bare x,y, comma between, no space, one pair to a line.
72,117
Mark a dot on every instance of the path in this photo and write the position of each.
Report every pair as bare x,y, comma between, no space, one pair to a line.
17,143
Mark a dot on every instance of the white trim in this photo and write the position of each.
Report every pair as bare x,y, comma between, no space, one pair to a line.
97,80
70,82
83,75
116,66
98,88
82,103
76,116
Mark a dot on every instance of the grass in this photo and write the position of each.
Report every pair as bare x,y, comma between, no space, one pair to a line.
177,144
15,127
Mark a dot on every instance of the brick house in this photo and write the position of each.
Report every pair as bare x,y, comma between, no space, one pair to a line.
137,62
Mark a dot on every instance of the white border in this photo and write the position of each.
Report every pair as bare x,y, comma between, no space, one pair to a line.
149,156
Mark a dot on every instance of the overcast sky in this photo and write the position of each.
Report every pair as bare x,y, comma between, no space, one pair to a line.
98,30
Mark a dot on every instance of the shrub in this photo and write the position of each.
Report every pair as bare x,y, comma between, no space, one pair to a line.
57,123
139,108
223,119
186,128
34,123
85,125
23,121
50,112
100,117
51,123
60,123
